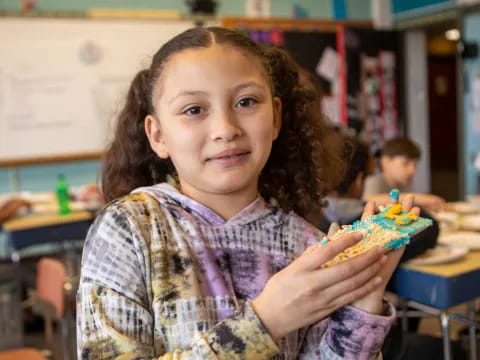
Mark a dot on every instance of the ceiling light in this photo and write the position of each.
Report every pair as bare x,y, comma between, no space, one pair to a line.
452,34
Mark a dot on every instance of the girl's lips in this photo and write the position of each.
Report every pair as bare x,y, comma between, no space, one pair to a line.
229,154
229,157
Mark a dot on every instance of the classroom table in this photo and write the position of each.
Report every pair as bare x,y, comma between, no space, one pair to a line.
47,228
435,289
38,234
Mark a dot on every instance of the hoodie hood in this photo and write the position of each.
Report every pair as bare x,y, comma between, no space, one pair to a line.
169,196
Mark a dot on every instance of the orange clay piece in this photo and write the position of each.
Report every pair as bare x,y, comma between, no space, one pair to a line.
393,211
406,219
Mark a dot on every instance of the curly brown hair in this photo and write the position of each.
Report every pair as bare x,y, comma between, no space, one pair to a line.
305,162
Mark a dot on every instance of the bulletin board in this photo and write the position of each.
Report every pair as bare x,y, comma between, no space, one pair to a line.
372,82
63,80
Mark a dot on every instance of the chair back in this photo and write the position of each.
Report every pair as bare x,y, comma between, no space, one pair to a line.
22,354
51,276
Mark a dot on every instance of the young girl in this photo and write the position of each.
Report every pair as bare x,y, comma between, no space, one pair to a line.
219,264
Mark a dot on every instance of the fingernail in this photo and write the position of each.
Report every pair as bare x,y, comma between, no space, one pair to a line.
379,249
409,201
333,229
383,260
377,280
358,236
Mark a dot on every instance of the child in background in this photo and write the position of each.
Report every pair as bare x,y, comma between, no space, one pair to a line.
398,164
219,264
345,204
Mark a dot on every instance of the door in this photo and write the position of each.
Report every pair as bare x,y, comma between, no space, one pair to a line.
442,96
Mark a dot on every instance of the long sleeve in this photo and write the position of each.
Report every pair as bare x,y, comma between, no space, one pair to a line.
350,334
123,330
115,317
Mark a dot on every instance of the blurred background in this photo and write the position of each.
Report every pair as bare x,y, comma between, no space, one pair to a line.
383,68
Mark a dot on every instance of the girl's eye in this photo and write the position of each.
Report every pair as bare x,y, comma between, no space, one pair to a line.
194,110
247,102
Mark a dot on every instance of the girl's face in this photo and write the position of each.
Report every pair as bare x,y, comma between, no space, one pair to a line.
215,118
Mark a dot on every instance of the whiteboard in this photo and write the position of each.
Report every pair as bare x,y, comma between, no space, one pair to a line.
63,80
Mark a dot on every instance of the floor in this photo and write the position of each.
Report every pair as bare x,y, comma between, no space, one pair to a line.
431,326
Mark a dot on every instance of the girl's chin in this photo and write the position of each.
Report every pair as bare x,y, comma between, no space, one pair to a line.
229,187
231,184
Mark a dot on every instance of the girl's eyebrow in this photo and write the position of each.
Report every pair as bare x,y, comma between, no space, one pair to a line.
199,92
248,84
186,93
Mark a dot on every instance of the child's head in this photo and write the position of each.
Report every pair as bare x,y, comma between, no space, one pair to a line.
223,113
399,159
357,160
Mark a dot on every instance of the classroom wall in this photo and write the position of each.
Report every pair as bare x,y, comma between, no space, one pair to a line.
43,177
354,9
409,8
471,113
416,96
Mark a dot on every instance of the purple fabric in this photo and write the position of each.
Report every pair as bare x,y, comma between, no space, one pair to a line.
236,258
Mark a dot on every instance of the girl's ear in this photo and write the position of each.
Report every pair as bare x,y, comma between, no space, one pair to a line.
277,116
155,138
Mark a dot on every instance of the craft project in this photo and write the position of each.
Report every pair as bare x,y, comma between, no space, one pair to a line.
392,228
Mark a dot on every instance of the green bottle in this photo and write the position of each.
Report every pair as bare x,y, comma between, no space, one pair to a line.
62,196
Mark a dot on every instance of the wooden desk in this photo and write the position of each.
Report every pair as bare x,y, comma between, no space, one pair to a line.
36,229
436,288
440,286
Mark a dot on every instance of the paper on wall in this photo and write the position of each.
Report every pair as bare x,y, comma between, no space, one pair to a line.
331,109
475,121
476,94
327,66
257,8
476,162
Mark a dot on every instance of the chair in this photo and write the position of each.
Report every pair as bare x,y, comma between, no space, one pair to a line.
22,354
50,286
11,327
51,283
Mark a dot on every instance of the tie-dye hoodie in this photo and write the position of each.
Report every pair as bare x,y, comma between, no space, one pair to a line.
165,277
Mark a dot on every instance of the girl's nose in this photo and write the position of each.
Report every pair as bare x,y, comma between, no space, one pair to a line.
225,127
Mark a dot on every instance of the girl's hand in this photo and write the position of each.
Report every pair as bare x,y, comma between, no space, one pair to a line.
304,293
372,302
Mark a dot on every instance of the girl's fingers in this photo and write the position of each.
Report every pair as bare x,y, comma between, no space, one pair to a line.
332,229
416,210
312,260
356,281
369,209
358,293
407,203
319,315
310,249
330,276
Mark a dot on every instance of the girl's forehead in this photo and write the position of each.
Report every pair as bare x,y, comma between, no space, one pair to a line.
215,56
219,62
